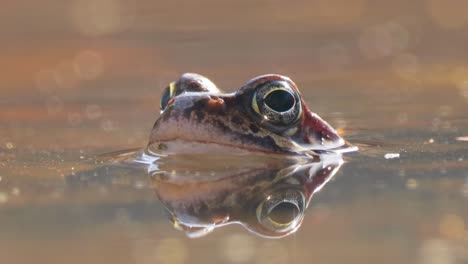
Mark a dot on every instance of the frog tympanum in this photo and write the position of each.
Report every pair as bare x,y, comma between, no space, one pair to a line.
267,115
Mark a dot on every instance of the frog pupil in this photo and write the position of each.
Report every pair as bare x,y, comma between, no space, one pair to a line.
166,96
284,213
279,100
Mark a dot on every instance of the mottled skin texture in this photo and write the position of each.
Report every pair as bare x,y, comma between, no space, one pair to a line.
199,113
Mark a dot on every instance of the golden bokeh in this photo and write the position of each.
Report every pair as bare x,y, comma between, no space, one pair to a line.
89,64
3,197
452,227
449,14
407,66
238,248
436,251
463,88
384,40
171,251
66,74
272,252
339,11
331,13
46,80
101,17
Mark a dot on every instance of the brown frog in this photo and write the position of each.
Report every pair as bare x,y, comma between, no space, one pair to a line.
267,115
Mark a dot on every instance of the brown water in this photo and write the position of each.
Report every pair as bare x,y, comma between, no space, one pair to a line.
82,78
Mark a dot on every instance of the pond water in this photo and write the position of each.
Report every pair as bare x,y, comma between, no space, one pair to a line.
84,78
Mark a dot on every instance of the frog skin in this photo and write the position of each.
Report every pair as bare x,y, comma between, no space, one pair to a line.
267,115
267,197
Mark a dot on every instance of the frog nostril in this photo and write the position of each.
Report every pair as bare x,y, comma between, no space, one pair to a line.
171,101
166,97
215,103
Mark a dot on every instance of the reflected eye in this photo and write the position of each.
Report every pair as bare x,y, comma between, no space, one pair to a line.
277,103
282,211
167,94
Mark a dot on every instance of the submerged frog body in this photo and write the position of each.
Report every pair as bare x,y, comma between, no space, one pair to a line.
266,115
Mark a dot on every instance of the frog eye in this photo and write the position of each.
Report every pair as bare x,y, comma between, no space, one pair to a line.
277,103
281,212
167,95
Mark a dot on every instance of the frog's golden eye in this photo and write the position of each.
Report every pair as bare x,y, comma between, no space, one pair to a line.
277,103
281,212
167,95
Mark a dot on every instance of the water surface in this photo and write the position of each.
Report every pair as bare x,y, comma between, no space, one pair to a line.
390,76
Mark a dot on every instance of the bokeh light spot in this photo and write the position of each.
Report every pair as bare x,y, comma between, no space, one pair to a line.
54,105
452,227
171,251
66,74
463,88
449,14
100,17
89,65
333,57
46,80
93,112
383,40
436,251
3,197
74,119
108,125
272,252
238,248
10,145
406,66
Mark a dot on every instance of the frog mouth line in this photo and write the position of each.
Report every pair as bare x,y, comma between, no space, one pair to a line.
162,145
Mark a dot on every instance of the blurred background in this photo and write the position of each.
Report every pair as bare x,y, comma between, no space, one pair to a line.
101,63
83,77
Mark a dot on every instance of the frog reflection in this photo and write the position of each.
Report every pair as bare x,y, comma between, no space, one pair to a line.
269,200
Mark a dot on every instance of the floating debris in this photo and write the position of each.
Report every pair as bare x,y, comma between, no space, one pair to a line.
9,145
392,156
139,184
412,184
430,141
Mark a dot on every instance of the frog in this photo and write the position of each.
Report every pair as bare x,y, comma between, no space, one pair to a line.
267,114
